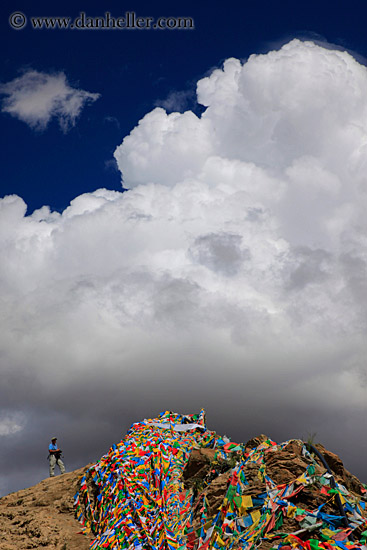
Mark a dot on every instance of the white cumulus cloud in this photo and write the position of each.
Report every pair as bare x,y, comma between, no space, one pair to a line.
36,98
231,274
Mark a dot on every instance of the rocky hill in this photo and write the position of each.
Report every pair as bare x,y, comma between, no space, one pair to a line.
43,516
171,484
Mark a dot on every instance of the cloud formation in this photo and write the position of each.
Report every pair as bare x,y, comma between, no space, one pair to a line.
177,100
36,98
230,275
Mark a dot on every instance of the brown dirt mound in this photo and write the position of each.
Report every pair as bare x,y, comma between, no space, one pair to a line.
43,516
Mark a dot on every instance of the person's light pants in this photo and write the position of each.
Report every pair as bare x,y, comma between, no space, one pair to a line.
53,462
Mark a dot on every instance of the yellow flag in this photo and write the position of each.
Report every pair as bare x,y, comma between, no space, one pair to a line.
291,511
255,516
327,532
246,503
302,479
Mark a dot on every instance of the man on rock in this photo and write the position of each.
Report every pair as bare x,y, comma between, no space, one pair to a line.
55,457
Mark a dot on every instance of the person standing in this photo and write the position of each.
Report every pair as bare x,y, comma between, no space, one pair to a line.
54,457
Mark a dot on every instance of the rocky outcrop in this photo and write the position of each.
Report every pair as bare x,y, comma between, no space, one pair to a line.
293,480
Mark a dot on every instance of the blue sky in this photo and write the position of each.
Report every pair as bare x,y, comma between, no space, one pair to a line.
231,275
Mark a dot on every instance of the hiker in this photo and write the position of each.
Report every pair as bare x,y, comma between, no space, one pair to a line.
54,457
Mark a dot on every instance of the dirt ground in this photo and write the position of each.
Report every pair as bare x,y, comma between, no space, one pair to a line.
43,516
